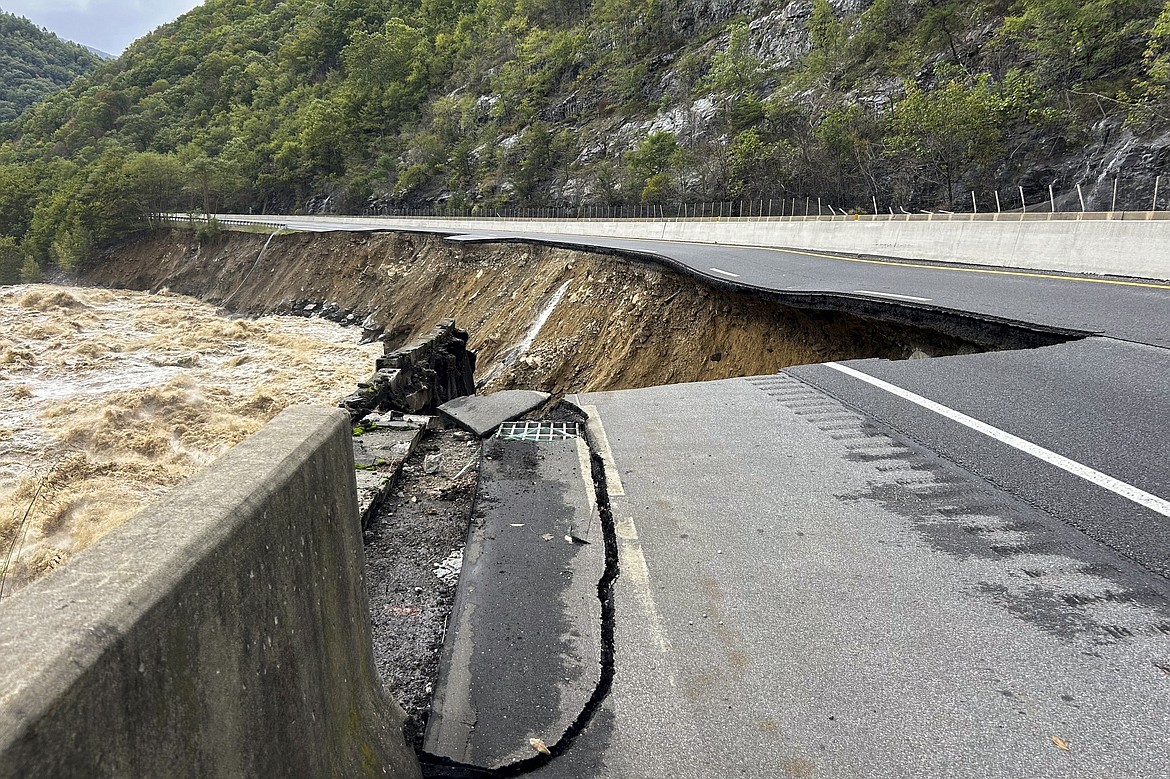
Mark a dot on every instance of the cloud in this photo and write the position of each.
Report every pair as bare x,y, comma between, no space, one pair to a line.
37,7
109,25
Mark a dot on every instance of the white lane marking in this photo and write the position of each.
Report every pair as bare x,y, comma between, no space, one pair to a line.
890,295
636,572
1116,486
726,273
613,481
591,494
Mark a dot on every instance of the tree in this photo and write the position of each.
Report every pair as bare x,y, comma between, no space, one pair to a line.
757,168
652,167
736,69
827,43
11,260
153,183
30,271
946,131
1154,86
1080,41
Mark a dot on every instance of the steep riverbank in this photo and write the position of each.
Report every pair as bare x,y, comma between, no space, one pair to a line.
539,317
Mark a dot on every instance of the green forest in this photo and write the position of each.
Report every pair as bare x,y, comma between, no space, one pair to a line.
34,63
478,105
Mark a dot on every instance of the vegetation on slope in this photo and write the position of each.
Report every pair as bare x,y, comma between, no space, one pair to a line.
34,63
345,105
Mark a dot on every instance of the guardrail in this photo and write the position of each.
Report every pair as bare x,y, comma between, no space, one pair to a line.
934,216
223,220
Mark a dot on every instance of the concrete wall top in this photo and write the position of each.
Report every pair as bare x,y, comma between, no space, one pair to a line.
1101,244
222,631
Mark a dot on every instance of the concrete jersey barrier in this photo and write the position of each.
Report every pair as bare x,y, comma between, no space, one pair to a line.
223,631
1118,244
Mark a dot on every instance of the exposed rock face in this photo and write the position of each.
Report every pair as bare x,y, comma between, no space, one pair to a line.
1116,154
781,37
693,16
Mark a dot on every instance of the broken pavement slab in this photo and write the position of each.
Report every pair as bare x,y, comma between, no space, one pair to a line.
523,653
482,414
378,455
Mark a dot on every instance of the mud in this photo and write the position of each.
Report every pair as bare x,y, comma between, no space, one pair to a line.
618,324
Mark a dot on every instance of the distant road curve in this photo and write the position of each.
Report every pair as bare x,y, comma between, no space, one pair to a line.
1129,245
1130,309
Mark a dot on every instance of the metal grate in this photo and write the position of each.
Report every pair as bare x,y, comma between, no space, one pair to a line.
538,431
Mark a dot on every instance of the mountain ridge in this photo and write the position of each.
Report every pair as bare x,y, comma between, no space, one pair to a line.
479,105
34,63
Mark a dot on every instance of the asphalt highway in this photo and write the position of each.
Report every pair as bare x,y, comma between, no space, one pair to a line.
805,592
1127,309
946,567
1103,403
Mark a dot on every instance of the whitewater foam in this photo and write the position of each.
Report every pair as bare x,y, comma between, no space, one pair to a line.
112,397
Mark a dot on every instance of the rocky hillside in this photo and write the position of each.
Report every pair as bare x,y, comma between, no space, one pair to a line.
485,105
34,63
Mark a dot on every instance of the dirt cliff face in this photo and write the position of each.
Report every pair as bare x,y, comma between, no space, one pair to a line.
617,324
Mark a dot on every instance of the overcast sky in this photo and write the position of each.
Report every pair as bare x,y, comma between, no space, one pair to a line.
109,25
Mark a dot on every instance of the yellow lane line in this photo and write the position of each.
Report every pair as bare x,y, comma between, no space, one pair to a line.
906,264
992,271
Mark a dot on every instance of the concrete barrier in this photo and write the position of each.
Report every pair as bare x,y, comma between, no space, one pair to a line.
1121,244
222,632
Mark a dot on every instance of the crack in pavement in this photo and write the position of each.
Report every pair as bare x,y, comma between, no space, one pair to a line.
439,766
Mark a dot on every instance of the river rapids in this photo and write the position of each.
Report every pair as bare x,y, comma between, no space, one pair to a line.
111,397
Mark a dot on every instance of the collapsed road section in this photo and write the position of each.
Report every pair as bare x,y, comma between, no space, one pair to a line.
523,654
528,651
548,318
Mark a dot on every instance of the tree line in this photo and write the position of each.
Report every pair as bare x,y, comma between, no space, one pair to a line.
343,105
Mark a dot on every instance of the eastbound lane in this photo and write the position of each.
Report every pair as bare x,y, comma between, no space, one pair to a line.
1103,402
1100,403
1132,310
1128,309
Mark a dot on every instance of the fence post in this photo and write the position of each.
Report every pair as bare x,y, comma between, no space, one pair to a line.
974,205
1023,203
1113,207
1081,197
1157,181
997,208
1052,197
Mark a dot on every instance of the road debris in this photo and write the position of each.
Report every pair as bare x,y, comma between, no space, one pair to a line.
448,569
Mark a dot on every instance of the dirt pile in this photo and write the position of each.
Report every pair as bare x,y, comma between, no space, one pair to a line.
616,323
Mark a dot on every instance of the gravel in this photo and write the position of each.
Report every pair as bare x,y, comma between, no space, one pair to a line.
410,548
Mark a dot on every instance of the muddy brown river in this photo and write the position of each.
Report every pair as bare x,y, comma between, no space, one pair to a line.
111,397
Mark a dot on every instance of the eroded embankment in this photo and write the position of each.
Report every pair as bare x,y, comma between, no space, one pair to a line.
617,324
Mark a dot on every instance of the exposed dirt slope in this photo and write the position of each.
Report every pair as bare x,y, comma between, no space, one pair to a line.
620,324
